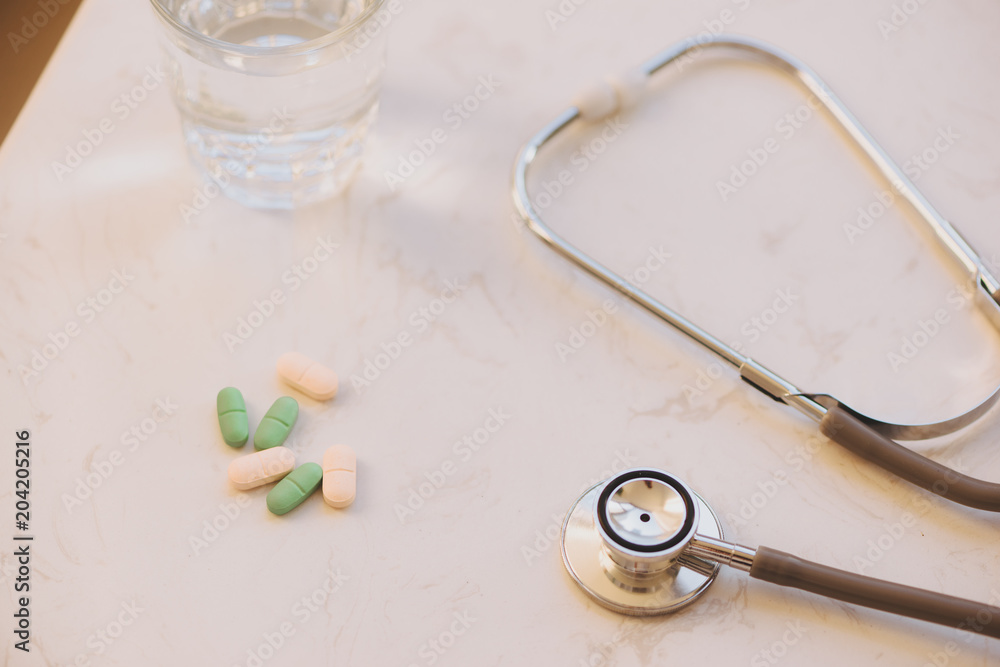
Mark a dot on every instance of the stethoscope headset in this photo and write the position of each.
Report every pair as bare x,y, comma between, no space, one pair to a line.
643,543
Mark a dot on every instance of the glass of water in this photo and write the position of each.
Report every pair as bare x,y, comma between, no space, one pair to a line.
276,97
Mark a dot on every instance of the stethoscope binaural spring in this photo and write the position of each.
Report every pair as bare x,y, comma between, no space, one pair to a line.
869,438
643,543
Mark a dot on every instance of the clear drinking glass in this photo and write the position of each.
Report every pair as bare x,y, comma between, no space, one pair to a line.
276,96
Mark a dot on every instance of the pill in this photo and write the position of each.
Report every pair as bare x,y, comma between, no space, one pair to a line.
340,468
233,417
276,424
261,468
312,379
294,488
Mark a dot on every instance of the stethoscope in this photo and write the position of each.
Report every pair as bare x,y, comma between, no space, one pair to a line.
643,543
867,437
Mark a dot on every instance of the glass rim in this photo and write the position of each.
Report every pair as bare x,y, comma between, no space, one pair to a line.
328,39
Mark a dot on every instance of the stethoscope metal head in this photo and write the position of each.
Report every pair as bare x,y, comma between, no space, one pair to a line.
624,542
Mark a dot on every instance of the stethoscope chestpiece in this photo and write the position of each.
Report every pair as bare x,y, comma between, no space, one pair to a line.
623,539
643,543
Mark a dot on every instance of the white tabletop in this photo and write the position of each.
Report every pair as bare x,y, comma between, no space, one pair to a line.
127,567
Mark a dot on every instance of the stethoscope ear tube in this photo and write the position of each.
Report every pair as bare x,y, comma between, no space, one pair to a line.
784,569
859,438
866,437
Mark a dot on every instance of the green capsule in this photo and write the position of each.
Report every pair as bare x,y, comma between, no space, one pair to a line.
233,417
276,424
295,487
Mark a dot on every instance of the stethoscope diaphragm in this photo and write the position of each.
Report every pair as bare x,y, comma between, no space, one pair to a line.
622,538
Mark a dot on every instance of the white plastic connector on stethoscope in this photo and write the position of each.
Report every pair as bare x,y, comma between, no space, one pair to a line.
614,94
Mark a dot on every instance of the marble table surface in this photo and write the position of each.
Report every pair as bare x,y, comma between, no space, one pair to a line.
519,381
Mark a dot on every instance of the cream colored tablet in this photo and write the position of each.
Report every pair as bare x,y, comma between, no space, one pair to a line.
340,467
312,379
261,468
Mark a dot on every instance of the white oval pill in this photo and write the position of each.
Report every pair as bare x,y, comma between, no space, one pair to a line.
340,467
312,379
261,468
